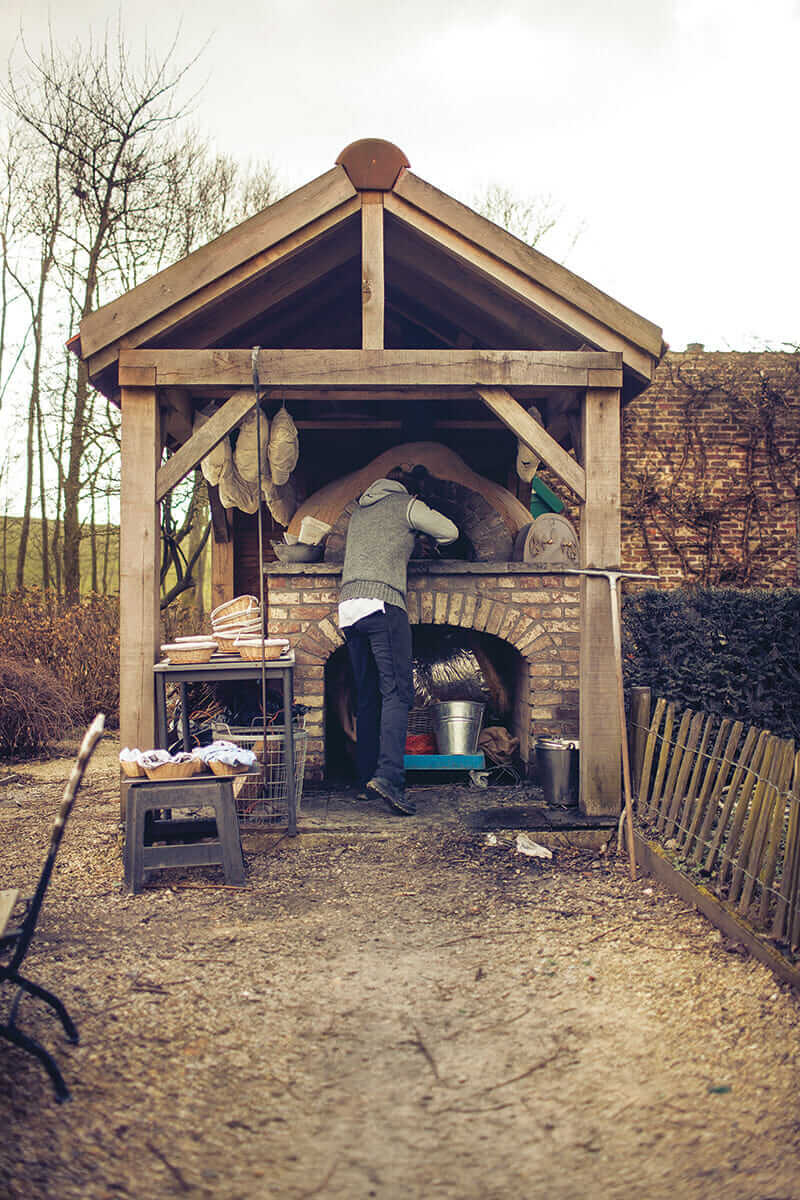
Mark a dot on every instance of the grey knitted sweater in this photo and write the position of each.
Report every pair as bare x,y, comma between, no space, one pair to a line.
380,541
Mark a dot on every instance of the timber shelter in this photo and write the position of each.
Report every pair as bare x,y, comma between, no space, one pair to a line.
387,314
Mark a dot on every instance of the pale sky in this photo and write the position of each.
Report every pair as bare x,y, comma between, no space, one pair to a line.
665,129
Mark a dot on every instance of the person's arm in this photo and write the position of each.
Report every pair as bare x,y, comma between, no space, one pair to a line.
428,520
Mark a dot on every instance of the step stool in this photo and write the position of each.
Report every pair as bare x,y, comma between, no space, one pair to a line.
146,824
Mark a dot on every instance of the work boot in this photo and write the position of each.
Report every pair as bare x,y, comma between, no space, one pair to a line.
394,796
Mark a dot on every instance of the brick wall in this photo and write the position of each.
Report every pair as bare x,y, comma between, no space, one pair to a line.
710,471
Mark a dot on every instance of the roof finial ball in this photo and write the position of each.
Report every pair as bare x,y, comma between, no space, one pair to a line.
372,164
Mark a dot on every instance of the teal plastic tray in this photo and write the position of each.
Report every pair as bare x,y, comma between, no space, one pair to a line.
444,762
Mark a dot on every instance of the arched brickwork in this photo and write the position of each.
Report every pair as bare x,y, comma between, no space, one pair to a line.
538,617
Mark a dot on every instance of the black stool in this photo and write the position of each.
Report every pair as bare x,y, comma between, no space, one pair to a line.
144,826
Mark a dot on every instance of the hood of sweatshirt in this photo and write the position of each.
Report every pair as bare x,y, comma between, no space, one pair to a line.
379,490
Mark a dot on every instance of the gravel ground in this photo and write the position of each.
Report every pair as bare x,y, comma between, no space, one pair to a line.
391,1008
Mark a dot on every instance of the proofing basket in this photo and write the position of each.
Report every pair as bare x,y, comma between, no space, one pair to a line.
262,795
239,604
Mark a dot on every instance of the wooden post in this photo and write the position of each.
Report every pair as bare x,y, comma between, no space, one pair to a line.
139,566
640,722
372,280
221,572
600,546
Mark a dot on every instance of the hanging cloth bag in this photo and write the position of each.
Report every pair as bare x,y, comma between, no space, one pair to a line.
284,447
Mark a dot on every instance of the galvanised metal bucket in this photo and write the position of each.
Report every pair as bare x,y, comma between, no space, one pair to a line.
457,725
557,768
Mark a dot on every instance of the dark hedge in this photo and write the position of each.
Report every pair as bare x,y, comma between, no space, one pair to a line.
723,651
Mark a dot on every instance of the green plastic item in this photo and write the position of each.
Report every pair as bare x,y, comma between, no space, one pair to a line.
543,500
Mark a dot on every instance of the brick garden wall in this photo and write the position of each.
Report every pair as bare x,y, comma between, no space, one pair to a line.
710,471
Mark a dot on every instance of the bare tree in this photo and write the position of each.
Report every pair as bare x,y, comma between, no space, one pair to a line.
535,220
104,122
123,188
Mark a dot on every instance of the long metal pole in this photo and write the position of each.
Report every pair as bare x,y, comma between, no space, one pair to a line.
260,524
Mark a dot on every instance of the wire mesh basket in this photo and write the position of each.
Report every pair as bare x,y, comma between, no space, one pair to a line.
420,720
262,795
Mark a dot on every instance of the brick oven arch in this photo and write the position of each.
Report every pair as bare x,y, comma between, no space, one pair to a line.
546,644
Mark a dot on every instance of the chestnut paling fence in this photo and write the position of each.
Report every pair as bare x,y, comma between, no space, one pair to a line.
724,799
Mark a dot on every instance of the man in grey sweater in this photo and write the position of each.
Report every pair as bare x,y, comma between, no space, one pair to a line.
374,620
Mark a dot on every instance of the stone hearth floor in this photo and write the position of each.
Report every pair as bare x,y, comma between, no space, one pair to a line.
453,804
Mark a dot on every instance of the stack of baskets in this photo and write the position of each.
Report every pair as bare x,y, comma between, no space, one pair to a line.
240,617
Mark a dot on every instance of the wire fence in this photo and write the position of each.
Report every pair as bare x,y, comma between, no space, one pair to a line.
725,802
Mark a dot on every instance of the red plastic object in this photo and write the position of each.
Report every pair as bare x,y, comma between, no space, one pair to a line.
420,743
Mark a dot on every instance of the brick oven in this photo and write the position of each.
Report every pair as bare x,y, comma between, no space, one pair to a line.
382,312
535,615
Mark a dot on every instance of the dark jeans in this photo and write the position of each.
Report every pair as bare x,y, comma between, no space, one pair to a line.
380,653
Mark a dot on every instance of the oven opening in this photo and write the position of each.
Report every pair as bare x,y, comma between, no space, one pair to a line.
450,663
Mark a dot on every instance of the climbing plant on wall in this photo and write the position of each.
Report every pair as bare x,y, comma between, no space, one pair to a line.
710,470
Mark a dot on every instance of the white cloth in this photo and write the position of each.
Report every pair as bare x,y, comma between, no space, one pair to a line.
351,611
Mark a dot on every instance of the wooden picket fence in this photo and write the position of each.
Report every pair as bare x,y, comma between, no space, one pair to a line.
726,801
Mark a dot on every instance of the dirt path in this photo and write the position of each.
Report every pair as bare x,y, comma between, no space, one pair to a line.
391,1011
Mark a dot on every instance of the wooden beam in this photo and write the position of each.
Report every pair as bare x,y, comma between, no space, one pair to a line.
600,744
372,368
372,268
178,415
138,566
530,262
220,520
222,578
523,426
353,424
210,262
203,441
564,312
486,313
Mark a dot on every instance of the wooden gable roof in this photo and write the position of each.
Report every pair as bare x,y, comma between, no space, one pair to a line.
291,276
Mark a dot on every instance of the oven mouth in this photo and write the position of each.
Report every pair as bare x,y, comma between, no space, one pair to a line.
484,535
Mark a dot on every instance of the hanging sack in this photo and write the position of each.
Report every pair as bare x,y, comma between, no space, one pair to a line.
235,492
218,460
284,447
245,456
281,500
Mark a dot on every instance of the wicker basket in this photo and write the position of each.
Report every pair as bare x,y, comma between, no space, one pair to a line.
227,644
189,652
172,770
222,768
133,770
239,605
254,649
240,629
